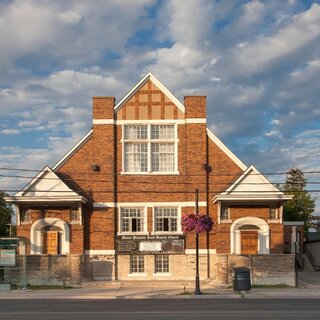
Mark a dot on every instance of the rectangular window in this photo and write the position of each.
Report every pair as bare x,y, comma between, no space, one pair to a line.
149,148
273,213
224,213
25,215
161,264
136,264
131,220
74,215
166,219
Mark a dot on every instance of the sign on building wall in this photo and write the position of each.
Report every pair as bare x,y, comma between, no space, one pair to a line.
150,244
7,257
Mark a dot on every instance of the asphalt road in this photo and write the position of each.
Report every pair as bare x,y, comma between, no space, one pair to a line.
186,308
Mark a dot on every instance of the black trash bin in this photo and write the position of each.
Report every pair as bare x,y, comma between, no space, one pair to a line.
241,279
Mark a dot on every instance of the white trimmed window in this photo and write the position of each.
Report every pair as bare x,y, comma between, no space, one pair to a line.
273,213
166,219
161,264
225,213
25,215
136,264
149,148
74,215
132,220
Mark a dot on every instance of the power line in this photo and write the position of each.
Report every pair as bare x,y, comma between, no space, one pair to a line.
150,182
154,191
189,175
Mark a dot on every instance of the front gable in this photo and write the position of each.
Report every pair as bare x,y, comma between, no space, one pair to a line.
149,100
252,185
46,186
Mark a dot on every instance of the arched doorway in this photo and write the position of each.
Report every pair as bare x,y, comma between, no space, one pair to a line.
249,235
50,236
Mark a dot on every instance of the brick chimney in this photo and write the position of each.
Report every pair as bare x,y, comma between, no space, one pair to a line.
103,146
195,107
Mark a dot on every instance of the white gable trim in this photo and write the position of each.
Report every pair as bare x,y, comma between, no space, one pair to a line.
72,151
21,196
158,83
256,172
225,149
271,193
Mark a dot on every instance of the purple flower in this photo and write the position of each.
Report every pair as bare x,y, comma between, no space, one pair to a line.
199,223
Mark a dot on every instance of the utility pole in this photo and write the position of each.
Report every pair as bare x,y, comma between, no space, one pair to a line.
197,289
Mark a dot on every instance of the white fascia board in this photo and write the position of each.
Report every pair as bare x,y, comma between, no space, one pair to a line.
226,150
72,151
46,199
252,197
156,82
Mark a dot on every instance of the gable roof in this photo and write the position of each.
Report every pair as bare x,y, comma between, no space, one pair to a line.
252,185
156,82
128,96
226,150
46,186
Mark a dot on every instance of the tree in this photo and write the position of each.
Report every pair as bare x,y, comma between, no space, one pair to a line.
301,206
6,214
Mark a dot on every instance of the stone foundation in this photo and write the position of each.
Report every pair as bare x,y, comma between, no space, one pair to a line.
72,269
55,270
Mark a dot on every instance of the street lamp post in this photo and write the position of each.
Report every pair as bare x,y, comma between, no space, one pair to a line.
197,288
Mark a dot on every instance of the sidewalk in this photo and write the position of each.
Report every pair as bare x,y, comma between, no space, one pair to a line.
156,290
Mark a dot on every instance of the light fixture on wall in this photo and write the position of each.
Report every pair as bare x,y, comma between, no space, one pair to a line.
95,167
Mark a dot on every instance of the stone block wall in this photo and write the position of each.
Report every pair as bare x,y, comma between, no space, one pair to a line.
264,269
57,270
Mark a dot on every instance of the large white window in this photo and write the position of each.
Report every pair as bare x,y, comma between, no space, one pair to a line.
166,219
132,220
149,148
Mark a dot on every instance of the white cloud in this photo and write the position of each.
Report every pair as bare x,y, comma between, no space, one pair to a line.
10,131
258,55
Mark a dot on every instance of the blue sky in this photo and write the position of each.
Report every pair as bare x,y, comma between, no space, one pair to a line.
258,62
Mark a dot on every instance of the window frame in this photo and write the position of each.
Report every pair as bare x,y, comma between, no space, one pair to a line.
155,231
137,257
160,272
25,216
276,217
150,141
78,219
222,208
130,232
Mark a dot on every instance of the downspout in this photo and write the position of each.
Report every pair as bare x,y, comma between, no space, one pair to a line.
115,195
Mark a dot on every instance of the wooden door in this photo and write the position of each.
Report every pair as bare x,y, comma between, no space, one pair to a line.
50,242
249,242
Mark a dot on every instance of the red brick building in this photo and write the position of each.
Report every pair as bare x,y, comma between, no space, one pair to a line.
118,195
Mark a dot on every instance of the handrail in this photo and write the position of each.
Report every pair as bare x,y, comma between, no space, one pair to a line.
311,258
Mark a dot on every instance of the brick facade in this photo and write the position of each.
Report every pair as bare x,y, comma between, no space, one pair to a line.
95,170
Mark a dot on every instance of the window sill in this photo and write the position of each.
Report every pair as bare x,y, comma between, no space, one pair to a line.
167,233
74,222
132,233
226,221
136,274
26,222
273,221
164,274
174,173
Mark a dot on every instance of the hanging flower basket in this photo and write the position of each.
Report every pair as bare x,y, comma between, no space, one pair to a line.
199,223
